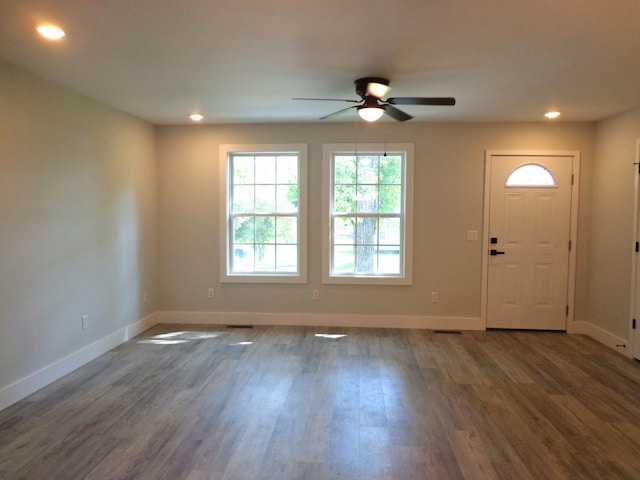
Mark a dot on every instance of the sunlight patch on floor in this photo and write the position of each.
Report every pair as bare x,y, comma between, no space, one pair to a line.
175,338
332,336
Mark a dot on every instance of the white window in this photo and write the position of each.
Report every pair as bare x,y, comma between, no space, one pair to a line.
368,209
530,175
263,213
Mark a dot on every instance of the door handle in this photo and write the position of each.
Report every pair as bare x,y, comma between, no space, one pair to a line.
494,252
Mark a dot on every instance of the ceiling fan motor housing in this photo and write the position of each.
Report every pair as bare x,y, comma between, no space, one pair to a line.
362,84
370,102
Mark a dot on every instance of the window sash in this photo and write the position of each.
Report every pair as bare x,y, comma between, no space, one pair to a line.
378,248
275,243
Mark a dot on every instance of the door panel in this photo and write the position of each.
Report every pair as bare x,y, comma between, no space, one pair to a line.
527,281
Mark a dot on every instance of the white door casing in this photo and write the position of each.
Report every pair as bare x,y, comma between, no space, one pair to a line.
634,333
529,229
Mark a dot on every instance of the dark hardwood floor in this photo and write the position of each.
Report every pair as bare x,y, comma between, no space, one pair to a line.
203,402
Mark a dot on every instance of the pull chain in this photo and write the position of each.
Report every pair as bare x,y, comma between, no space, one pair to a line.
356,139
385,137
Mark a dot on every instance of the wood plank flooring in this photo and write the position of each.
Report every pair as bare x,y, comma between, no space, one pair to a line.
206,402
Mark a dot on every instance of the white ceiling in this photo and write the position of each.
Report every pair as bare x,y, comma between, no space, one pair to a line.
243,60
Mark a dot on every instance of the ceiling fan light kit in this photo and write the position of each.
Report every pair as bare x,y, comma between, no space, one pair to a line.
370,114
371,105
370,110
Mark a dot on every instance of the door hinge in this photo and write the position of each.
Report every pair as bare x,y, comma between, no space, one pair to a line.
572,179
637,246
633,324
567,311
569,245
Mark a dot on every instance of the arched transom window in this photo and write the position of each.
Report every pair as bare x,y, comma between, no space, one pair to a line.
530,175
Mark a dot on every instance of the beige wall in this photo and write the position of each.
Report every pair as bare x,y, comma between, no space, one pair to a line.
78,224
612,222
449,179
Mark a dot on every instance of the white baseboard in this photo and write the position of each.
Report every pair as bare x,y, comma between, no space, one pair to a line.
375,321
578,327
24,387
322,320
612,341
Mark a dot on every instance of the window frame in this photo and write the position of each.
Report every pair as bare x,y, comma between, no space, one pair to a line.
226,219
406,243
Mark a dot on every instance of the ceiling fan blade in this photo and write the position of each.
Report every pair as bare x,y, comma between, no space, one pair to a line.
445,101
339,112
396,114
327,99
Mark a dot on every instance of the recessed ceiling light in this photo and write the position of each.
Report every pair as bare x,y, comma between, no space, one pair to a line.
51,32
196,117
552,114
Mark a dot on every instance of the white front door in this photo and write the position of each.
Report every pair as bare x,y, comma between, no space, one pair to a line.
529,241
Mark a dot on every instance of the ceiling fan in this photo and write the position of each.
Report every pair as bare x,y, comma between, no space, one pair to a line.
371,105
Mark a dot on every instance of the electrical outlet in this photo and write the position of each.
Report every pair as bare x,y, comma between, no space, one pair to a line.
315,295
435,297
85,321
210,293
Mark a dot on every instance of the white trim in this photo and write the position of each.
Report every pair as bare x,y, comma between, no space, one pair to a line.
33,382
322,320
612,341
573,234
634,335
578,327
300,149
602,336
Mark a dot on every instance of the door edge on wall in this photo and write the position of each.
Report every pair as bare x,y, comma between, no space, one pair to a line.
634,307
